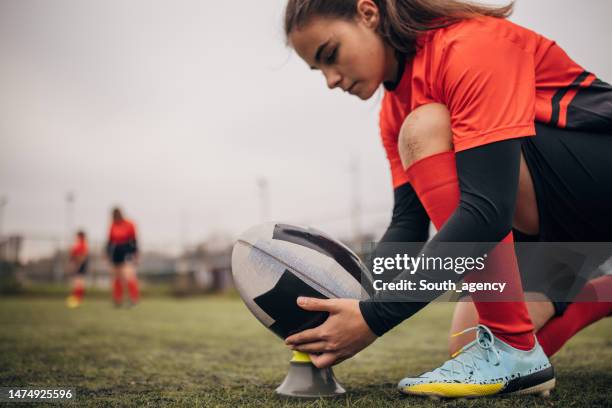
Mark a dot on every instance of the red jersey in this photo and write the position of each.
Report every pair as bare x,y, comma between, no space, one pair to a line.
122,232
79,249
496,78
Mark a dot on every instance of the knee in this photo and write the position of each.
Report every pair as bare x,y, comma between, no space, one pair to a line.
426,131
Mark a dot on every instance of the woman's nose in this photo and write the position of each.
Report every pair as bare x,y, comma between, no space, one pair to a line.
333,78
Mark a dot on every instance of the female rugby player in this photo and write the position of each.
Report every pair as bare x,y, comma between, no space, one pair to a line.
78,266
122,252
490,129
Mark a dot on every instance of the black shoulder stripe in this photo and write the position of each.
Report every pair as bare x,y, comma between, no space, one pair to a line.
556,100
319,242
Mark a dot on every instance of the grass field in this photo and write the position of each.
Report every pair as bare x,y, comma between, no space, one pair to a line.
212,352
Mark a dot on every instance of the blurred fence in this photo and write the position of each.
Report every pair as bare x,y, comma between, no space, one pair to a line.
204,268
35,260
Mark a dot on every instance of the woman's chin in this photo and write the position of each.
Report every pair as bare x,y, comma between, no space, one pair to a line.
365,94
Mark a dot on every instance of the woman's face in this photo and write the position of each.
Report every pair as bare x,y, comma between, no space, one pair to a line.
350,54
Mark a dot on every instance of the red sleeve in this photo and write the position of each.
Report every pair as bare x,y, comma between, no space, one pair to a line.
488,84
389,135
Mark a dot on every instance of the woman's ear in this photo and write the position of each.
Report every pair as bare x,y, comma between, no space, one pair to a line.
367,13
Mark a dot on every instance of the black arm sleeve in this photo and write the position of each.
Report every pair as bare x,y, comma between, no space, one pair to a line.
133,246
488,181
409,222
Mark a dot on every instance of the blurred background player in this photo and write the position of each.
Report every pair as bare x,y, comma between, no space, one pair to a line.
122,251
78,269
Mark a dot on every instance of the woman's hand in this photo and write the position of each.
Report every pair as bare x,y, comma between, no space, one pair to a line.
344,333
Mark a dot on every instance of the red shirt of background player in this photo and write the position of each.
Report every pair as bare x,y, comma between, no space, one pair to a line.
79,249
122,232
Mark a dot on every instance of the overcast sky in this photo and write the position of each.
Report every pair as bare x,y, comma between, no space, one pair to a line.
174,109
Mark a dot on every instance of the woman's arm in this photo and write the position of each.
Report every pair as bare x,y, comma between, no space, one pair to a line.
409,222
488,181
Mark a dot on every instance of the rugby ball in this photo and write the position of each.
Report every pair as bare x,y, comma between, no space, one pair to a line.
274,263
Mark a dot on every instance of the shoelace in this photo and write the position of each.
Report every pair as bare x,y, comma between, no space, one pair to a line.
465,360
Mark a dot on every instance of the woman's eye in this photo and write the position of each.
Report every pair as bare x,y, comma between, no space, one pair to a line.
331,58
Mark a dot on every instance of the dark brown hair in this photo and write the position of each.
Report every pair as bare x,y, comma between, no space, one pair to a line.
117,214
401,21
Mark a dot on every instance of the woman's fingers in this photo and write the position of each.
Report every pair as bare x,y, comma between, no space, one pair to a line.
306,336
315,347
311,304
324,360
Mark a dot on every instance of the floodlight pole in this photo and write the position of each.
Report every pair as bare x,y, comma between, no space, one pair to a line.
70,198
3,202
184,222
264,199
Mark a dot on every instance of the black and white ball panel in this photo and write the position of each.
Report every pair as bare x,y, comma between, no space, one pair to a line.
273,264
319,241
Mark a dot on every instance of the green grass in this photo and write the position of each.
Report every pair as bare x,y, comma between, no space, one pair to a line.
60,291
212,352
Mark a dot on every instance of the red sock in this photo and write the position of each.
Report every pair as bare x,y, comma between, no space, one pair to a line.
435,182
117,291
78,291
578,315
133,290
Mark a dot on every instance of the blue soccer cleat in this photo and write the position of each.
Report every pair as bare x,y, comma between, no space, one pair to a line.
486,366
